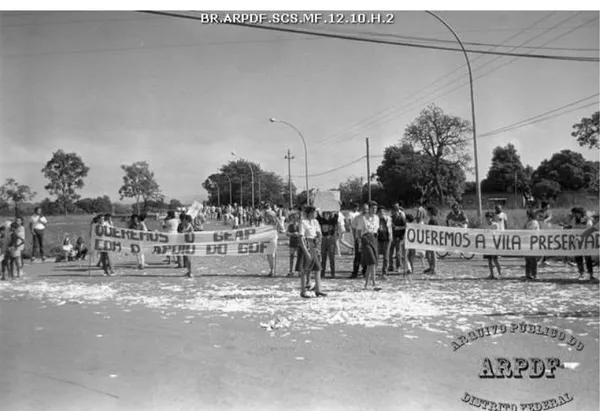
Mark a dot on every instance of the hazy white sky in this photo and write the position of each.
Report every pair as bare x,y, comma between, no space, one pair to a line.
117,87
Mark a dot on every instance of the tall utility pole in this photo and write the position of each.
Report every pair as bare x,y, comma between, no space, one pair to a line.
368,171
230,192
241,191
289,158
515,189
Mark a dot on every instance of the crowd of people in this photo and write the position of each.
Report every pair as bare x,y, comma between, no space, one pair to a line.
378,240
375,236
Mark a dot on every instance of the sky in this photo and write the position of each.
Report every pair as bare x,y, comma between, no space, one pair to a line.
119,87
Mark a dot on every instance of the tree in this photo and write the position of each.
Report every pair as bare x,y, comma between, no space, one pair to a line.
139,183
567,168
66,172
273,189
407,175
501,175
443,139
470,187
546,190
50,207
174,204
586,131
16,193
95,205
351,191
591,171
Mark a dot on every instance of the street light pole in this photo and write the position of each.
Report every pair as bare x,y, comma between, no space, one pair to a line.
251,173
218,192
478,186
229,179
241,191
274,120
289,158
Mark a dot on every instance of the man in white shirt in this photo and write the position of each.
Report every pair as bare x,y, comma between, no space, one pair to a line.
310,261
37,227
501,218
357,252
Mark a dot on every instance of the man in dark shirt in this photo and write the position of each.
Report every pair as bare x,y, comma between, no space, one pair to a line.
329,224
398,230
384,237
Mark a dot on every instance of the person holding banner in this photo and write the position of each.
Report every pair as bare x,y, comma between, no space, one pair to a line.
187,227
457,217
430,256
106,221
492,259
310,238
581,221
170,227
136,224
544,216
531,262
591,230
366,230
328,222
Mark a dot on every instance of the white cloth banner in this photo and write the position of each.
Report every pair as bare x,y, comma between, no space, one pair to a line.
247,241
327,200
194,209
505,243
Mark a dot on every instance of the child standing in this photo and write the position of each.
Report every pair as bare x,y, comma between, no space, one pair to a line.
15,247
531,262
492,259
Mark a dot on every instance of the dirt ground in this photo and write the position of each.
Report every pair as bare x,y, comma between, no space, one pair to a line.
234,339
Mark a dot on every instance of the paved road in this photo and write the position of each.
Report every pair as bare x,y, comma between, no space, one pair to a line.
232,339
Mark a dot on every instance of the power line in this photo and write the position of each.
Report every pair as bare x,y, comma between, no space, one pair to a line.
384,118
532,120
333,169
472,43
379,41
540,117
381,115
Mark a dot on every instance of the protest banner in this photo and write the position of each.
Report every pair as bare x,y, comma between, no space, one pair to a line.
247,241
537,243
327,200
194,209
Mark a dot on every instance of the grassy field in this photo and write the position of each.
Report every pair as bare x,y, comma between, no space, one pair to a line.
79,226
73,226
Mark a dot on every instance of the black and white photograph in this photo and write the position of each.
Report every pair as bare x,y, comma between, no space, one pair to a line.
299,206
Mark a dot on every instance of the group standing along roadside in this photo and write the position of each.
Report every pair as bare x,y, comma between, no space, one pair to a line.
378,236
